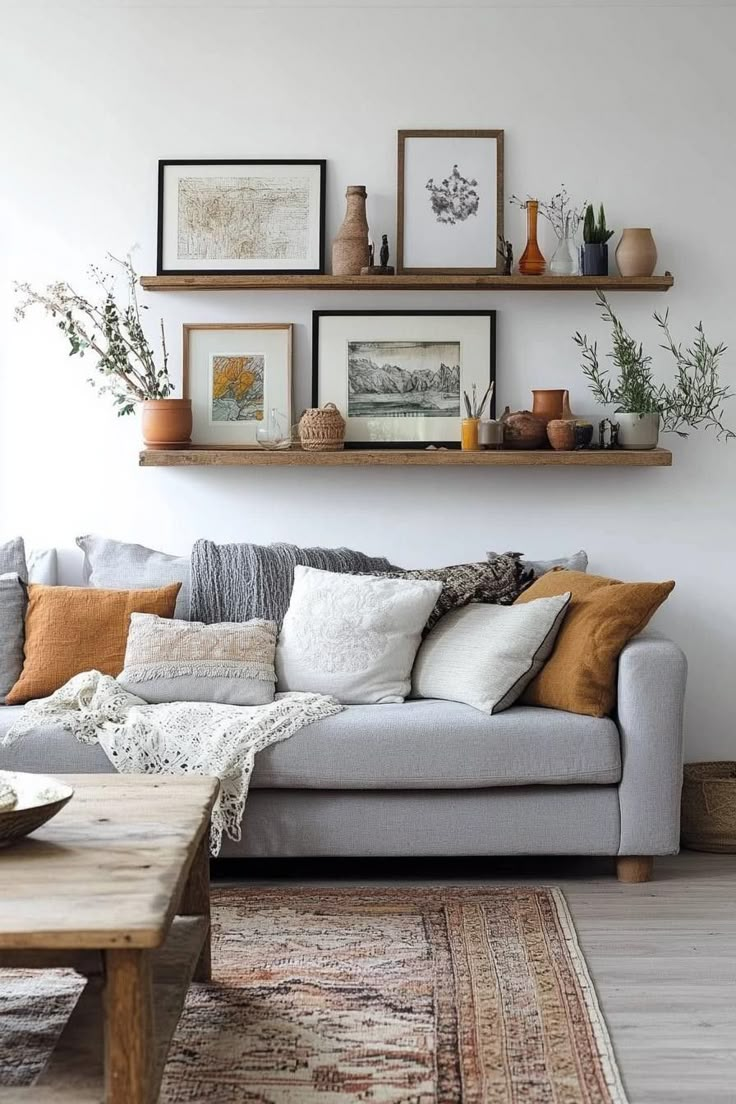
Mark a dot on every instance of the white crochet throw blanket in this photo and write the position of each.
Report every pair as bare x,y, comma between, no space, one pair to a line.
177,738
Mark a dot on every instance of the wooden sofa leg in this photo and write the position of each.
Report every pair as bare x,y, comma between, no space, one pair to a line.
634,868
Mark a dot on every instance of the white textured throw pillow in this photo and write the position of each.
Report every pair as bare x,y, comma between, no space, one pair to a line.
352,636
231,664
485,655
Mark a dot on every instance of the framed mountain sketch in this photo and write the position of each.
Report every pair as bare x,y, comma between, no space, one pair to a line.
450,201
398,376
240,217
237,375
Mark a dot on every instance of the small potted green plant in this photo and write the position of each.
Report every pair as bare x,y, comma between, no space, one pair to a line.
642,406
110,327
594,251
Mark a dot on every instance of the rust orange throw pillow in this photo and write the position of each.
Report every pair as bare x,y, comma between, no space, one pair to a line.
75,629
603,615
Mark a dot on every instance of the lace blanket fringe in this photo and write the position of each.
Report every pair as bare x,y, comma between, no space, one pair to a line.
176,738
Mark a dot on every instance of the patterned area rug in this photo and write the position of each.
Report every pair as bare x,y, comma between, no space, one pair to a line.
377,996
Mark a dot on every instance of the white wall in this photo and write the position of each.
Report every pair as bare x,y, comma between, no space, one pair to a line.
629,104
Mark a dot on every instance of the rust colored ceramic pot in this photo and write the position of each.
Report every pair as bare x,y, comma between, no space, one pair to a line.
561,434
523,430
551,402
167,423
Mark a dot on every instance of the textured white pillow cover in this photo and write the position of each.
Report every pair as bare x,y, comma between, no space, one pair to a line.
352,636
170,661
486,655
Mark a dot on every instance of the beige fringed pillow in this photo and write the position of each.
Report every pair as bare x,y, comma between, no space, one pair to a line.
231,663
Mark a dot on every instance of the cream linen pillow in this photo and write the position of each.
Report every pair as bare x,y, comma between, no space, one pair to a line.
231,663
485,655
352,636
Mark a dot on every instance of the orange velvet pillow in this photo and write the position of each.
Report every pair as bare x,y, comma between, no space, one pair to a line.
603,615
75,629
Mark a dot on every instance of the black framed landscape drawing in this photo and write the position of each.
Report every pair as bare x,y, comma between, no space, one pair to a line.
398,376
239,217
450,201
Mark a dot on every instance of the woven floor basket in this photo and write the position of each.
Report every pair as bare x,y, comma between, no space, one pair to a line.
709,807
322,429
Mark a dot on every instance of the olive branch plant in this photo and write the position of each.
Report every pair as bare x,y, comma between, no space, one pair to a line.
110,328
694,401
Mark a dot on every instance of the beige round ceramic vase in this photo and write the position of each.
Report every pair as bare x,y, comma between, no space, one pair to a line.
350,247
636,253
637,431
167,423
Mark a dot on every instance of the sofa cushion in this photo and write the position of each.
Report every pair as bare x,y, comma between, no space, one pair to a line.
175,661
13,558
118,565
75,629
412,746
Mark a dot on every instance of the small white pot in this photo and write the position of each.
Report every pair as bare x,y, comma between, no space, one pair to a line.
637,431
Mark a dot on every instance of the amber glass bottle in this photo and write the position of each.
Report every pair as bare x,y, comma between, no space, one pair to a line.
531,262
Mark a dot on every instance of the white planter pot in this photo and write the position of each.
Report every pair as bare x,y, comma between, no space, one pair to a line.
637,431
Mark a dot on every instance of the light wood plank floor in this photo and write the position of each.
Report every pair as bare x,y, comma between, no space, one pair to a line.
662,955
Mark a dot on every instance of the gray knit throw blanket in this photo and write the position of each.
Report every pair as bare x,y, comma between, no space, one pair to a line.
237,582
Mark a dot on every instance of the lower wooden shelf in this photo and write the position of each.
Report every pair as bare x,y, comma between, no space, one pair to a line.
399,458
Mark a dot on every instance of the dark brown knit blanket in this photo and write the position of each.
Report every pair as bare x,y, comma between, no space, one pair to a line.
499,581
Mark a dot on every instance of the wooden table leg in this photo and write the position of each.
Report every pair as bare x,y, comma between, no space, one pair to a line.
195,901
129,1029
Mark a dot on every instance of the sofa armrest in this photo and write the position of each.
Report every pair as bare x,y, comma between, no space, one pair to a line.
652,673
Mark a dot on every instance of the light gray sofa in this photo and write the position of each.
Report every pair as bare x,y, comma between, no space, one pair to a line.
439,778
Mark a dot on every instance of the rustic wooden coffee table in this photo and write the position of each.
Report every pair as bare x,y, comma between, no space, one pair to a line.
116,886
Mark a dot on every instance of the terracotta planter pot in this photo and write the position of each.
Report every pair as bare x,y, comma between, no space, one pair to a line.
167,423
636,253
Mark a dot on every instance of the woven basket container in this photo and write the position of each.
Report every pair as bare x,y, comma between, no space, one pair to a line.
322,429
709,807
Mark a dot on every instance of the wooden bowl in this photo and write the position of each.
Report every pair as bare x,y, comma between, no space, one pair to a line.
40,797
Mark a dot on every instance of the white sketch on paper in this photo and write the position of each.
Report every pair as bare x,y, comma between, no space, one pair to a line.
243,218
400,379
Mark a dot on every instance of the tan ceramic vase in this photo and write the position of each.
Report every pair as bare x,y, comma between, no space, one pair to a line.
350,247
167,423
636,253
561,434
550,403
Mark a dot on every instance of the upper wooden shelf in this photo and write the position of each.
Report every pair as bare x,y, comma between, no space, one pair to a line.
294,457
407,283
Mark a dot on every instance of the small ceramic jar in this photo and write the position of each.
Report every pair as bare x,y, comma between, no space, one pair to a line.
561,434
490,434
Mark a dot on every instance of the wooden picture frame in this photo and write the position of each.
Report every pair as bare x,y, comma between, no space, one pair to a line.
193,251
436,222
198,368
339,335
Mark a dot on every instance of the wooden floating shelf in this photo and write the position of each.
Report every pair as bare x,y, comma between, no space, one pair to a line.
399,458
407,283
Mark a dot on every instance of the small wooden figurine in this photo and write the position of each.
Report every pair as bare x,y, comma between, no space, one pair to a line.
382,269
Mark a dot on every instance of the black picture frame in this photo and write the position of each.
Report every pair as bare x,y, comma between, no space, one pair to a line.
319,314
321,164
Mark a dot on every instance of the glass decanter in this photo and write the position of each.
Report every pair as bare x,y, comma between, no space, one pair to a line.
566,257
274,431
